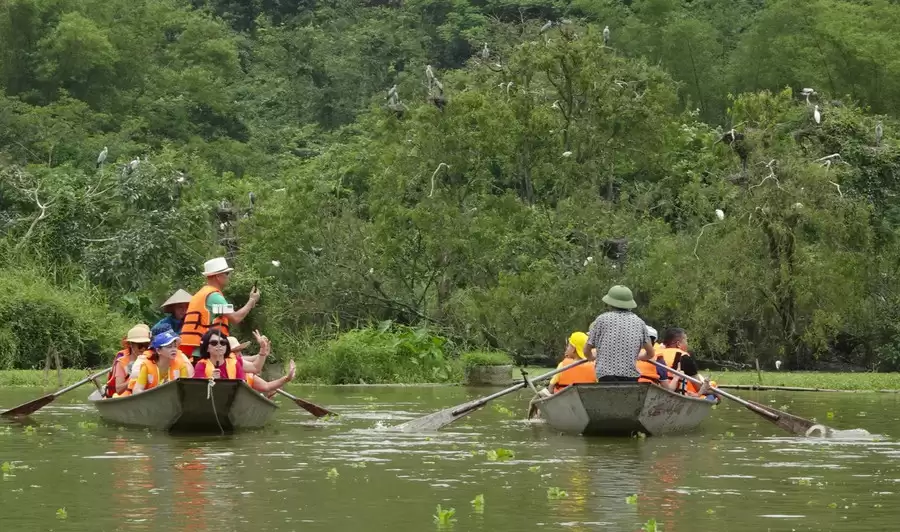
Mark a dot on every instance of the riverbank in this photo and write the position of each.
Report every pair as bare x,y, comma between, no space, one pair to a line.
829,381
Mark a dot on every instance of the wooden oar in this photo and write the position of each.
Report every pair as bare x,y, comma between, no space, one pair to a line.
33,406
313,409
789,422
437,420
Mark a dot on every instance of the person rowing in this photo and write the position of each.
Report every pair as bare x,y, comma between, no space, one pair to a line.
136,341
618,336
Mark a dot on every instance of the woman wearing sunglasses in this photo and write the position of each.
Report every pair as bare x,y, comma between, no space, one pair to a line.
136,342
217,361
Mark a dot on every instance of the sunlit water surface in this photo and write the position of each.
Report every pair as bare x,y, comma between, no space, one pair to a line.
737,473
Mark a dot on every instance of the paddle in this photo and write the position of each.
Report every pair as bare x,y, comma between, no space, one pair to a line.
313,409
789,422
33,406
437,420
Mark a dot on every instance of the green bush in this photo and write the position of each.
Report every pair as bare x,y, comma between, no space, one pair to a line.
37,317
485,358
386,354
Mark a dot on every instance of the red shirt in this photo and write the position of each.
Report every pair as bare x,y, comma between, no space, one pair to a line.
200,369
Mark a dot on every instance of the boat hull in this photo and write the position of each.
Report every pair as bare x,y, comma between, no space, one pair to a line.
183,406
622,409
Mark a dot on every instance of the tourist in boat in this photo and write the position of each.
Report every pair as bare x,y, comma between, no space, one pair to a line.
209,308
618,336
160,364
253,364
175,308
649,372
135,343
216,362
584,373
675,355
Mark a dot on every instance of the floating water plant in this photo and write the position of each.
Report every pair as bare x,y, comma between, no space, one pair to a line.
830,415
87,425
357,465
30,430
631,499
710,511
503,410
804,482
555,493
535,469
62,514
832,505
444,517
332,473
650,526
500,455
478,503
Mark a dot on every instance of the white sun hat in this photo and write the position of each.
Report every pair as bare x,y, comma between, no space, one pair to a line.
216,266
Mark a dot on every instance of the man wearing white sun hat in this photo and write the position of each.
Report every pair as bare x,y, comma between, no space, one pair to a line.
208,307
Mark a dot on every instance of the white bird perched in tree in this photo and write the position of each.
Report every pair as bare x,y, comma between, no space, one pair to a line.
508,86
555,105
720,214
276,263
879,133
429,75
588,261
392,92
567,154
546,26
777,364
132,166
817,116
485,52
606,36
102,157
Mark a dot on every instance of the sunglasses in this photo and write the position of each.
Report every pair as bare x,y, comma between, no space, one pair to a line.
217,343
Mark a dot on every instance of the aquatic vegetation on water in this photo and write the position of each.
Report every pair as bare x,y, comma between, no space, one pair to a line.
710,511
357,465
555,493
650,526
62,514
832,505
332,474
631,499
478,503
535,469
500,455
30,430
830,415
444,517
503,410
87,425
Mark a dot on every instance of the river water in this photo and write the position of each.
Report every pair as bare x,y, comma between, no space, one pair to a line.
737,473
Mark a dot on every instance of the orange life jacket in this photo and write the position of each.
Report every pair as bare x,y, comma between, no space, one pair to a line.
111,376
579,374
649,372
177,368
197,319
672,356
152,373
230,369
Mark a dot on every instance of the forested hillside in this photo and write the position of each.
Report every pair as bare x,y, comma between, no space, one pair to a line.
485,168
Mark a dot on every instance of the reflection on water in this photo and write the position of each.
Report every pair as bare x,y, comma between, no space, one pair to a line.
738,473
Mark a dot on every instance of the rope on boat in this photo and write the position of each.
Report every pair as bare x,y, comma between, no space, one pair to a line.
212,399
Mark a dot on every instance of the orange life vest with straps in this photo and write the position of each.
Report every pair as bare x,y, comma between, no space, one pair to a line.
579,374
197,319
152,373
111,376
230,370
673,356
649,372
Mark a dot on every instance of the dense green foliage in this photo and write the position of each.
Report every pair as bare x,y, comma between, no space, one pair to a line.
485,209
485,358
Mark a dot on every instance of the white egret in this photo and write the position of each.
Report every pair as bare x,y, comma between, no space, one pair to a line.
720,214
485,52
817,116
102,157
429,73
276,263
555,105
567,154
777,364
134,164
392,92
879,133
588,261
546,26
807,92
606,36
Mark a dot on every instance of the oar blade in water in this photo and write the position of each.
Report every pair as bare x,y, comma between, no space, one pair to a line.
29,407
789,422
437,420
312,408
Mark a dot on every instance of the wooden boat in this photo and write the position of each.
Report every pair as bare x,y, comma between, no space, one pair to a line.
183,406
622,409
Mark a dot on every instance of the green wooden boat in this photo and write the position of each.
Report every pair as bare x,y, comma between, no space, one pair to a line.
183,405
622,409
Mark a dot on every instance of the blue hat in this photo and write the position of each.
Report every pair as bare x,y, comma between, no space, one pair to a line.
163,339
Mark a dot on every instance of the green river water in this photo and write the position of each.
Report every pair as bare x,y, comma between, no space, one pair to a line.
737,473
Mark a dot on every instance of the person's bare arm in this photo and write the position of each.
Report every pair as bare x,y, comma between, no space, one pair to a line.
261,385
590,352
255,363
238,316
647,353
